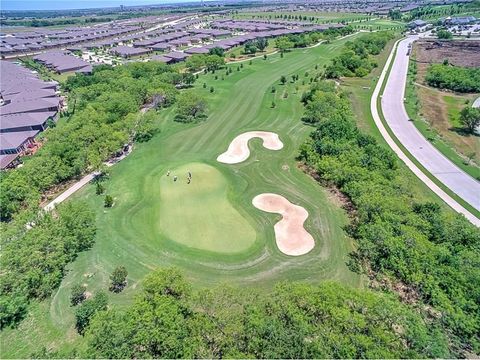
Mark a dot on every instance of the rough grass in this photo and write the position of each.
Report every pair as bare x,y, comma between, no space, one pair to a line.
360,91
241,102
436,116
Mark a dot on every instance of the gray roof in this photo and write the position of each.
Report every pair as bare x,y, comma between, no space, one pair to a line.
19,120
176,55
36,105
61,61
13,140
7,159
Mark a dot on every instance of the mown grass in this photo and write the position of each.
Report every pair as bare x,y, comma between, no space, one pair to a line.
320,16
128,234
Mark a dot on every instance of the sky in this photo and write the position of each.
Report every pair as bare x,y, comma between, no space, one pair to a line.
76,4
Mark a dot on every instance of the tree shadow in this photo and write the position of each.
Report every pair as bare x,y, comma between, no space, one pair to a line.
463,132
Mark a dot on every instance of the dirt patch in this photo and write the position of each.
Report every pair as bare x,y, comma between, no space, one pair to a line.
238,150
441,109
335,195
290,235
459,53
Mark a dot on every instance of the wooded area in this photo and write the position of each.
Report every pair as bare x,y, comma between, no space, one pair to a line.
357,58
171,320
34,256
433,253
455,78
102,117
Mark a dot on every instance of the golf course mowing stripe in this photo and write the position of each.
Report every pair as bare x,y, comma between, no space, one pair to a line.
129,233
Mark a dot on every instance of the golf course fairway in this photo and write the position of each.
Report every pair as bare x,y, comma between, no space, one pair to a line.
210,221
209,228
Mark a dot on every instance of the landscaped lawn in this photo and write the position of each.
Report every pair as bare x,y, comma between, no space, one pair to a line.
210,230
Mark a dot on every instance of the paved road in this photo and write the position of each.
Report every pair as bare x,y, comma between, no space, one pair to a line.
392,106
396,116
476,103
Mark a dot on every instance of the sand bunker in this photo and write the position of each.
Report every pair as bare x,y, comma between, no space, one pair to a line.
291,236
238,150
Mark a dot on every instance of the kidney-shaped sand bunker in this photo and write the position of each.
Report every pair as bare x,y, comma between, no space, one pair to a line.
238,150
291,236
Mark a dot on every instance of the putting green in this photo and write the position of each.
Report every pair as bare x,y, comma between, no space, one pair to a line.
209,220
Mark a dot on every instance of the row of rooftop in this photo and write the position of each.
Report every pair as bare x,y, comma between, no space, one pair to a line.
28,103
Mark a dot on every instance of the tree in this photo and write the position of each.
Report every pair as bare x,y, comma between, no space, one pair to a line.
88,309
99,188
264,56
250,47
395,14
77,294
470,118
190,107
444,34
214,62
283,79
118,279
261,44
217,51
195,62
283,43
108,201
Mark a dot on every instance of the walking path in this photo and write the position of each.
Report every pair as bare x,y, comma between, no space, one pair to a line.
87,178
397,119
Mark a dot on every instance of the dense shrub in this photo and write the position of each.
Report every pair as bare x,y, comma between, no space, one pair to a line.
171,320
34,257
435,253
356,59
102,117
454,78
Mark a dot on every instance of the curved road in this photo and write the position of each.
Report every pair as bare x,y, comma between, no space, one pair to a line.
397,119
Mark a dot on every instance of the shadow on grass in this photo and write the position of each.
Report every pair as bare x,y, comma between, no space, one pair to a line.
463,132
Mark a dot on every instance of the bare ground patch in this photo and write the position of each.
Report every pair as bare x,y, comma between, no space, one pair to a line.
458,52
440,108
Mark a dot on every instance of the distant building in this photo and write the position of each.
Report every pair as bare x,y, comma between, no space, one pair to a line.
460,20
416,24
27,104
127,51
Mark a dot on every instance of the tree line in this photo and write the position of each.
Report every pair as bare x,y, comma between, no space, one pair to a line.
357,58
455,78
102,116
434,254
170,319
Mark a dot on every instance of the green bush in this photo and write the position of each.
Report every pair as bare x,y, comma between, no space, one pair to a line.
356,59
434,253
169,319
454,78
